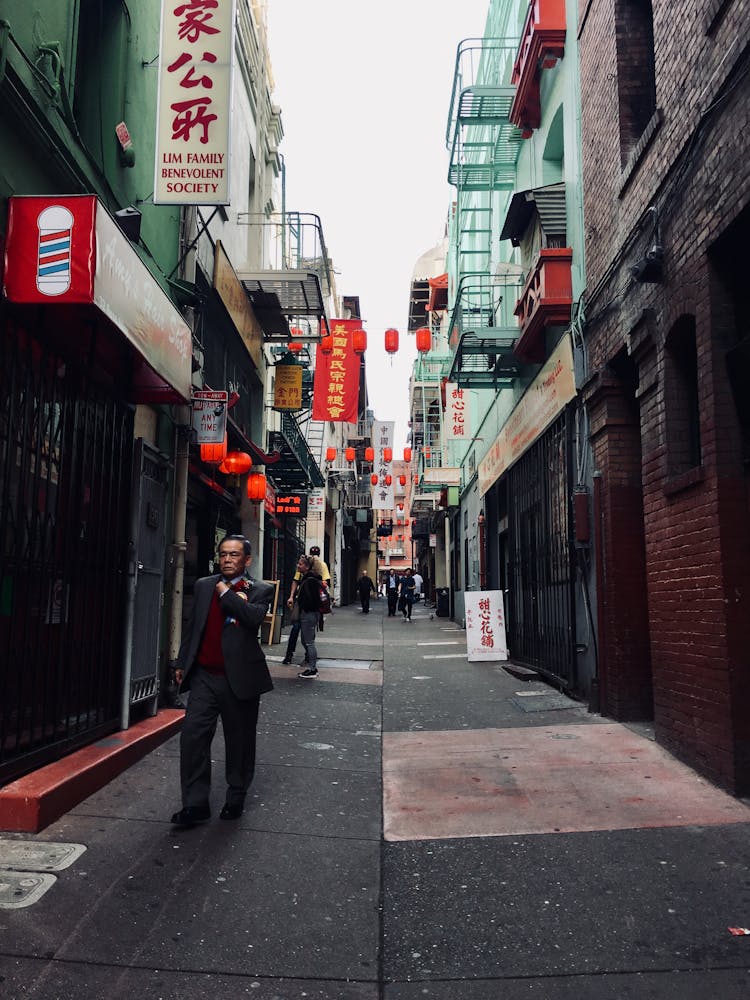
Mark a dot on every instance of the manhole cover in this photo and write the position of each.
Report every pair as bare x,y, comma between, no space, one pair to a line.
38,855
19,889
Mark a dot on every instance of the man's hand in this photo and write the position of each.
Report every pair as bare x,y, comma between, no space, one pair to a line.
221,588
178,675
289,602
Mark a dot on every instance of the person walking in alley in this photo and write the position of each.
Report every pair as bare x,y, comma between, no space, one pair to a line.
295,624
391,586
308,597
418,582
365,586
406,594
222,664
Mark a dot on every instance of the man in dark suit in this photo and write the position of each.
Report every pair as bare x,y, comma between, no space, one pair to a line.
222,665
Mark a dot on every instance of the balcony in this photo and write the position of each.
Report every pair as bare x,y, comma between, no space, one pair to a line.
542,44
294,282
545,301
484,330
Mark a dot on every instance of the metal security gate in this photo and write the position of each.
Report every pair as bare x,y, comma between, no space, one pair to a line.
541,613
146,575
64,490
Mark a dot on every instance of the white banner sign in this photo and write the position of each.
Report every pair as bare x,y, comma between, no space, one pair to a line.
455,424
209,416
485,625
194,102
382,438
316,501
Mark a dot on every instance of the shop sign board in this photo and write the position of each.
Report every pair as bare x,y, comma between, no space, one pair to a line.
546,397
485,625
194,103
210,416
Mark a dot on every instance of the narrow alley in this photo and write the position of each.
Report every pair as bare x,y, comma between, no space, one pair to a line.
419,826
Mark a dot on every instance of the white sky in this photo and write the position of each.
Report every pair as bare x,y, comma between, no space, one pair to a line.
364,91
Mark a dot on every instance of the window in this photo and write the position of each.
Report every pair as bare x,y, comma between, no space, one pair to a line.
682,401
636,74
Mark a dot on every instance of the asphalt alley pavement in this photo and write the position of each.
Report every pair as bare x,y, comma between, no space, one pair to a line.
419,826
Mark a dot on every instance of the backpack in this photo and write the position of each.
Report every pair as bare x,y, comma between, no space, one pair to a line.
325,600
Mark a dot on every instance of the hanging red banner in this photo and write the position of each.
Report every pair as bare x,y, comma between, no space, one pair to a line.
336,385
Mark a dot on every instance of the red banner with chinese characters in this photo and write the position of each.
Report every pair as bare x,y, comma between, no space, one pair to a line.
336,385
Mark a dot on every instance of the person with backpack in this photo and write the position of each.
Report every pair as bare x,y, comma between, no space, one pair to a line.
309,601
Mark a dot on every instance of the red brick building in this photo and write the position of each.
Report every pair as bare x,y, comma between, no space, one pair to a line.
665,152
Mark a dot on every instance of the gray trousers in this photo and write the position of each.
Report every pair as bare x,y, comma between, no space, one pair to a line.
211,698
308,621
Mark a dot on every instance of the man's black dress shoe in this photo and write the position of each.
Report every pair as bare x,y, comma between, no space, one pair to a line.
191,816
231,811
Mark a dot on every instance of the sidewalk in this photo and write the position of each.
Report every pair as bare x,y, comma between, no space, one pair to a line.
420,826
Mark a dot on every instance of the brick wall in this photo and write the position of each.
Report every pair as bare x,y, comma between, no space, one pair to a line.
696,542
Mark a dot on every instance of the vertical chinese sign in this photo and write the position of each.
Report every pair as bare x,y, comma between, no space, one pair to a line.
455,424
382,438
336,385
485,625
194,102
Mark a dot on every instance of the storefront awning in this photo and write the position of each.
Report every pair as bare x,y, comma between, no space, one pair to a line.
549,204
438,299
68,253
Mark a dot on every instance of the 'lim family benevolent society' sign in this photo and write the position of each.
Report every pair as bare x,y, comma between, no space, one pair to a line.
194,103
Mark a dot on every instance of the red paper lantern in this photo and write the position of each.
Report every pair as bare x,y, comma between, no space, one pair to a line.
349,454
330,454
214,453
424,339
236,463
326,344
256,487
406,522
402,479
388,480
391,341
400,506
374,479
427,453
369,454
359,341
387,454
294,346
407,454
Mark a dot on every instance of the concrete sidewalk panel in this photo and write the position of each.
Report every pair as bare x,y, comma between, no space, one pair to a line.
580,905
698,984
218,898
51,980
504,782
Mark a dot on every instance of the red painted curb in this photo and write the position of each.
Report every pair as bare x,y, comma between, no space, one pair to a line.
31,803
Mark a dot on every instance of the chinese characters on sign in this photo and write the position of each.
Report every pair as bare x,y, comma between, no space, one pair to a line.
546,397
209,416
485,625
455,412
382,438
194,102
336,383
287,387
293,504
